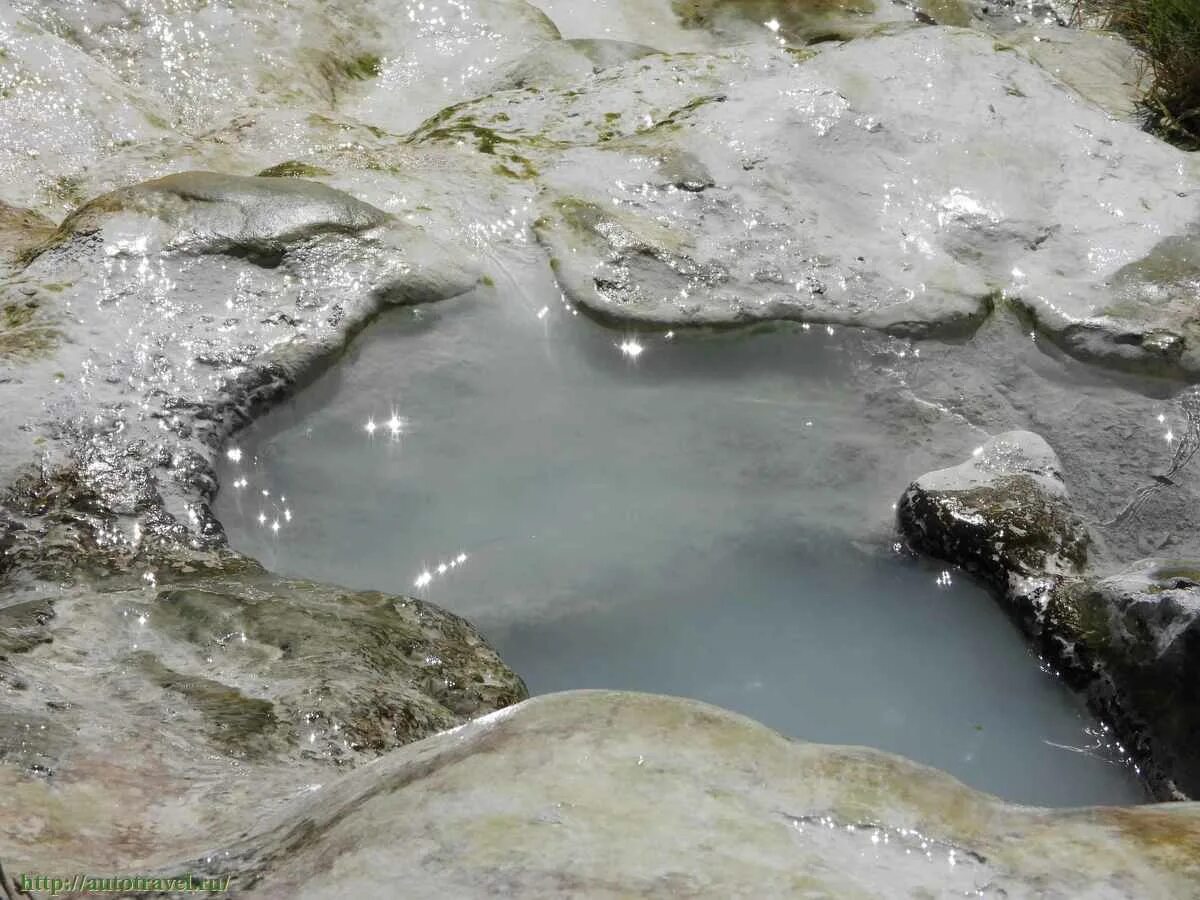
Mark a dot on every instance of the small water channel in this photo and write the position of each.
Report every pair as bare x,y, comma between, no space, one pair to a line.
698,514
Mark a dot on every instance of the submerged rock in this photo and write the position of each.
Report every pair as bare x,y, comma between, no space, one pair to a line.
212,686
294,169
25,328
608,794
1006,16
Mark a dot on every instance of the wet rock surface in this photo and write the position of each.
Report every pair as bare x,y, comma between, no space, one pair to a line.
537,801
208,212
1004,514
201,204
939,239
20,231
1128,640
1135,634
211,686
191,301
141,671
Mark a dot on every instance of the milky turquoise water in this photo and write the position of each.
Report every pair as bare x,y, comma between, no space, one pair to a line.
707,515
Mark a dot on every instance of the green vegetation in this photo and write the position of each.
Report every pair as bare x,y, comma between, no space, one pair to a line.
157,121
947,12
671,121
337,71
792,15
523,172
23,334
1167,32
1079,614
243,725
800,54
68,190
487,139
360,68
294,169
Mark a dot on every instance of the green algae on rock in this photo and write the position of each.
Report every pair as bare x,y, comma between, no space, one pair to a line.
1139,631
208,682
168,352
20,231
227,687
1128,640
947,12
797,21
28,325
298,266
1004,513
26,329
965,238
936,280
1149,321
294,169
1101,67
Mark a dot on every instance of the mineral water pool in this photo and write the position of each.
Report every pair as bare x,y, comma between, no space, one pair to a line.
700,514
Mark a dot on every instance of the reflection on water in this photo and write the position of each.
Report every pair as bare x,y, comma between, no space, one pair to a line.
702,515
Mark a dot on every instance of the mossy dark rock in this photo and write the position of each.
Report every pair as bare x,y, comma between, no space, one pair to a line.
1003,514
1130,642
1134,638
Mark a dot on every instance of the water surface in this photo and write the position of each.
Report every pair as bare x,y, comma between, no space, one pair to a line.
707,515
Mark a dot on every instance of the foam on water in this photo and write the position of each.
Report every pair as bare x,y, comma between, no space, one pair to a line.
707,515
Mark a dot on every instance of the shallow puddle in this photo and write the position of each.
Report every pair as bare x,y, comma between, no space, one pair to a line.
705,515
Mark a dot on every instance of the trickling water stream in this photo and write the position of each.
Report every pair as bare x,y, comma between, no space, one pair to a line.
704,515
